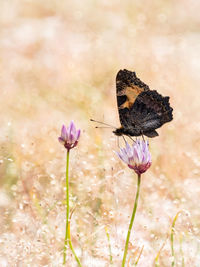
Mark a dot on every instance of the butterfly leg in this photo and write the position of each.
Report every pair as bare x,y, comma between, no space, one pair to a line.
124,139
131,138
142,135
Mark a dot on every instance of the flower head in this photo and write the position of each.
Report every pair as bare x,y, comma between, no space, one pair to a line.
137,156
69,136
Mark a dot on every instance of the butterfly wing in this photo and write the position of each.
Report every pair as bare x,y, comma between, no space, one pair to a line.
128,88
150,111
141,110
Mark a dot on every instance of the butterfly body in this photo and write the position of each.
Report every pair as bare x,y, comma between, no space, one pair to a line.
141,110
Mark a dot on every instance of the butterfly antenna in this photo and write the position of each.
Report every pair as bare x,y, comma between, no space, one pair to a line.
102,127
109,126
124,139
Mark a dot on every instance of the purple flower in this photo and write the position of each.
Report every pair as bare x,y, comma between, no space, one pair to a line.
137,156
69,136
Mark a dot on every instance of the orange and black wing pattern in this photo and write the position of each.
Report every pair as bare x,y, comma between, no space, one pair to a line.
128,88
141,110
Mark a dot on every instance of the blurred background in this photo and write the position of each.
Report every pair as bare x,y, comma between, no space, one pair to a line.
58,62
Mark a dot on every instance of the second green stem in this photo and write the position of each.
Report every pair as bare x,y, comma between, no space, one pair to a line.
67,207
67,230
131,221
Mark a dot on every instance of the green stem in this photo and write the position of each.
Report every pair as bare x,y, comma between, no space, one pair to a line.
67,208
132,220
172,238
109,246
72,249
67,230
172,245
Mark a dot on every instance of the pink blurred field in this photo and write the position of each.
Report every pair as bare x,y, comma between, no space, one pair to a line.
58,62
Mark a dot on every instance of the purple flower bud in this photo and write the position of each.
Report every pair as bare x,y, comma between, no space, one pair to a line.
69,136
137,156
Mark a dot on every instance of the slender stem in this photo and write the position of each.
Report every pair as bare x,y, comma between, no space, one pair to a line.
67,208
172,237
136,263
158,255
67,230
132,220
109,245
71,246
172,245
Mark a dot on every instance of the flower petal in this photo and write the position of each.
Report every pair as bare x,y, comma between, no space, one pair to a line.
64,132
78,133
69,136
137,156
61,140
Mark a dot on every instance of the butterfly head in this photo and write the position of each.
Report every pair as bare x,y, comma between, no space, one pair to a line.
127,131
119,131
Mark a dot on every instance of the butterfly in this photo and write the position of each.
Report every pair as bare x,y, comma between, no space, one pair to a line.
141,110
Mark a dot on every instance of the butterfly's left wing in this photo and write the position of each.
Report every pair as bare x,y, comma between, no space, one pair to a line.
149,112
128,88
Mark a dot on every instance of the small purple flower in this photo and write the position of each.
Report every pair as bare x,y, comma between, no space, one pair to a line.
69,136
137,156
